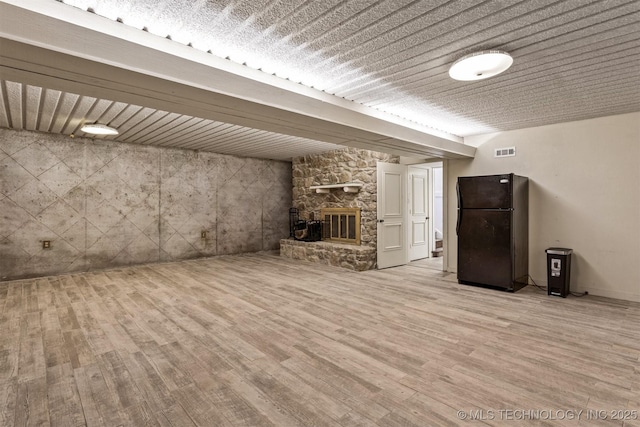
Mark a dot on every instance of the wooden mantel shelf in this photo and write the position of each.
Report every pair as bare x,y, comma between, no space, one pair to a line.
348,187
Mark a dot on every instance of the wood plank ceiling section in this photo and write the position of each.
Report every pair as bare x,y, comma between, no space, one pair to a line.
363,73
46,110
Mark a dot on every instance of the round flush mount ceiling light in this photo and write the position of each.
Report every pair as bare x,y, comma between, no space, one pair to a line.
480,65
98,129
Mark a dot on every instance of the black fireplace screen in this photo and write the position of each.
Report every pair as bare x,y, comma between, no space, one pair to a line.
299,229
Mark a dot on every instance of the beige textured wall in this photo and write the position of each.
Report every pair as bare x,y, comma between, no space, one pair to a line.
106,204
584,195
338,166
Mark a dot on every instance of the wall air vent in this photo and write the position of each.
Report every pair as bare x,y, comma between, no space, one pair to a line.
505,152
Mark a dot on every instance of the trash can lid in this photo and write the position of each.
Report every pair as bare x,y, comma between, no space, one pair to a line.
559,251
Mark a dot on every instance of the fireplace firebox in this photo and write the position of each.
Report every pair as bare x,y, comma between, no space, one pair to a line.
341,225
338,225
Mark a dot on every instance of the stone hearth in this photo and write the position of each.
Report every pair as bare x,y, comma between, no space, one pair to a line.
359,258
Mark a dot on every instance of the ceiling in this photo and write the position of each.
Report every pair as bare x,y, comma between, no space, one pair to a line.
301,76
46,110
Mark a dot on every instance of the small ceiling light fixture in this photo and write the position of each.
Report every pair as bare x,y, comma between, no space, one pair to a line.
98,129
480,65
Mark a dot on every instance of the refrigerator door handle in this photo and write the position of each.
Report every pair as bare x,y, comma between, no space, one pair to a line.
459,208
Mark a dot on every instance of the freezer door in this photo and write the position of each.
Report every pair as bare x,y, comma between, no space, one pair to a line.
484,248
485,192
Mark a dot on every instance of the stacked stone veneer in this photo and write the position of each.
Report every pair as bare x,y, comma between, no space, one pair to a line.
104,204
334,167
353,257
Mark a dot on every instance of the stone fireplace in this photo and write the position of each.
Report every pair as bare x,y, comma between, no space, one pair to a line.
318,192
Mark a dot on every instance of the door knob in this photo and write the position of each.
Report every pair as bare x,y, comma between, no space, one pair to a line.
381,220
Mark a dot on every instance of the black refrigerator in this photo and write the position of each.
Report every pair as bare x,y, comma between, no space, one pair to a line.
493,229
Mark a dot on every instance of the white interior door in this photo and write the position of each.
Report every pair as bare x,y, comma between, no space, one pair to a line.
392,215
419,233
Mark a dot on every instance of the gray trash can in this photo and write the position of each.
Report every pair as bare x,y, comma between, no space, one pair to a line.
559,271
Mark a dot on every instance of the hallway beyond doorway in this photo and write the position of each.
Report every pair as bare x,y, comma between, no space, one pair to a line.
433,263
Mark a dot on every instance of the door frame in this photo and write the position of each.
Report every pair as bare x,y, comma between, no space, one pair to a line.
430,165
445,216
426,167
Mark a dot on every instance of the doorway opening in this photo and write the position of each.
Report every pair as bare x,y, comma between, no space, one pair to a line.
438,212
429,212
410,214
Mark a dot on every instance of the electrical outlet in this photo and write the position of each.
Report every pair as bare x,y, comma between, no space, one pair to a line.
46,244
203,234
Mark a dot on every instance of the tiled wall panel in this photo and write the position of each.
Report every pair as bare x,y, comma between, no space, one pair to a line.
104,204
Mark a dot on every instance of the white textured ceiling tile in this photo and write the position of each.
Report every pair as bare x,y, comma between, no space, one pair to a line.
64,112
144,121
373,15
332,19
76,119
4,112
364,41
306,15
49,106
13,92
34,96
274,12
421,27
165,128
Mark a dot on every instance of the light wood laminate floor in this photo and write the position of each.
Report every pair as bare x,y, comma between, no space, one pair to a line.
257,340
